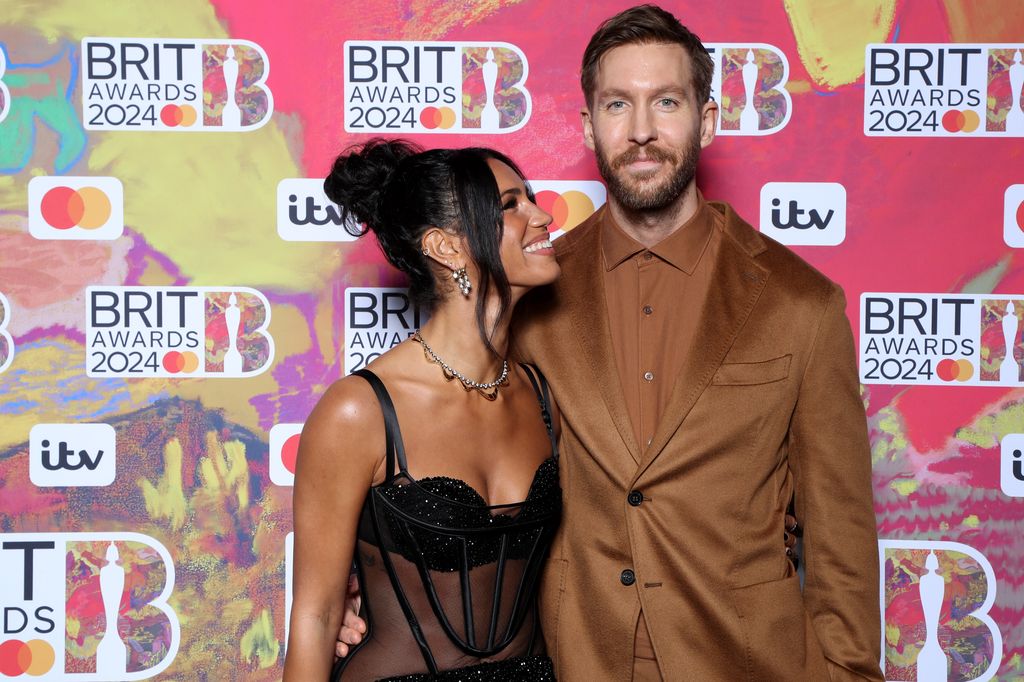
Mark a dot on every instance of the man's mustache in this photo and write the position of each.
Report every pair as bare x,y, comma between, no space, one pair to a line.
647,152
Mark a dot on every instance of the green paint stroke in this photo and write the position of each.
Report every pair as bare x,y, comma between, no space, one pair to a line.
38,96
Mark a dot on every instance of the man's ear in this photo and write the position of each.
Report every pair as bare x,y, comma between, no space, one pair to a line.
708,122
443,248
588,128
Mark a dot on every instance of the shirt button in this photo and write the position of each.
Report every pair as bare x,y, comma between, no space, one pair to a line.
635,498
649,376
648,255
627,577
648,310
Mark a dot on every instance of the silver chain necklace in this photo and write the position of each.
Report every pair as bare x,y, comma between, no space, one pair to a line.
488,390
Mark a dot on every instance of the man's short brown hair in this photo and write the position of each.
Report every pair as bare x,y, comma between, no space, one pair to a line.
641,25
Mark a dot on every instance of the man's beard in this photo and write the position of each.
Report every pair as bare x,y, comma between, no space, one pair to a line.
633,195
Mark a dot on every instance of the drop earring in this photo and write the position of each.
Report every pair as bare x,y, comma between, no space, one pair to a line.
461,278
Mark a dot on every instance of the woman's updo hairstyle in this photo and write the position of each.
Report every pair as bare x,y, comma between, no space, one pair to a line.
398,190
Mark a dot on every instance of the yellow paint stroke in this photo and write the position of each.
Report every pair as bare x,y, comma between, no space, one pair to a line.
166,500
259,641
904,487
224,470
831,35
972,521
431,20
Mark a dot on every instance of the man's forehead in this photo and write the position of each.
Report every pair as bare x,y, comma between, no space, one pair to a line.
648,66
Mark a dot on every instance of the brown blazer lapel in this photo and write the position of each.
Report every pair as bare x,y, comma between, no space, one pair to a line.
739,281
582,282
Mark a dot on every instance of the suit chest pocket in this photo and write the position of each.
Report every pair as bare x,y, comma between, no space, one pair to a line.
752,373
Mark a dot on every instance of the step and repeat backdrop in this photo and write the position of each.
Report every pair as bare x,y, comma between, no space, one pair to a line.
176,291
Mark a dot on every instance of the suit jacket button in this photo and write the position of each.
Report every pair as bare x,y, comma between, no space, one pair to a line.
627,577
635,498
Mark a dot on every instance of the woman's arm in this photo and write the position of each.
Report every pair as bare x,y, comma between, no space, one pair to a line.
342,445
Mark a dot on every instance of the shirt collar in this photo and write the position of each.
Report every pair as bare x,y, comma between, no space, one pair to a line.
682,249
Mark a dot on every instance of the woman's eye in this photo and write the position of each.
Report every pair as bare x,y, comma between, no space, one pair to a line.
509,205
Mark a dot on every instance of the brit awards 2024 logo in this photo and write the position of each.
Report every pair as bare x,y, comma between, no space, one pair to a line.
943,90
5,93
376,320
942,339
75,207
72,455
305,214
6,342
86,606
1013,216
284,451
569,202
749,84
177,332
804,213
935,599
174,84
435,87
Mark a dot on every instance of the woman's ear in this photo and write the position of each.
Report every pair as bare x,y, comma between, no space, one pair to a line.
443,248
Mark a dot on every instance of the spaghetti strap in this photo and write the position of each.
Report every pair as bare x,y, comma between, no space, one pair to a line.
394,447
540,387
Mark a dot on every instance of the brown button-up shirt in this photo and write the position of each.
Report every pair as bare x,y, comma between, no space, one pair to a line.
654,299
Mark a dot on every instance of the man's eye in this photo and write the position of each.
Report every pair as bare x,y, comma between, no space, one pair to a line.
616,105
668,102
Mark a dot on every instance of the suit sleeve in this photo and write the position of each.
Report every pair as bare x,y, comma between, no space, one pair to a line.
831,459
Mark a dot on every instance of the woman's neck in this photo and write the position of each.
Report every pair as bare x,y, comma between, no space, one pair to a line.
453,334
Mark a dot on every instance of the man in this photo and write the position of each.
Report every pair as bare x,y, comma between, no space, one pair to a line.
706,378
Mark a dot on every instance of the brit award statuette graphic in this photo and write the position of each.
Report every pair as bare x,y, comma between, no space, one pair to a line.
749,84
174,84
177,332
86,606
935,600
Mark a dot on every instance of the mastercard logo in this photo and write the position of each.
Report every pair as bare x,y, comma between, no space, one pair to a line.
180,362
568,209
955,370
437,117
34,657
569,202
966,121
63,208
174,115
75,208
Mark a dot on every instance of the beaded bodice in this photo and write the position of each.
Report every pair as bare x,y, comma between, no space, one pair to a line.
443,574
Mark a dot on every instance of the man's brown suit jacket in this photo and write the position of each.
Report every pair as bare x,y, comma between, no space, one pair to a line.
767,409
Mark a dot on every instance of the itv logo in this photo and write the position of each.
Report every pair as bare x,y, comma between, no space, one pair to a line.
804,213
71,455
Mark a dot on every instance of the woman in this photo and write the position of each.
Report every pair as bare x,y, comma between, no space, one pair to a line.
436,470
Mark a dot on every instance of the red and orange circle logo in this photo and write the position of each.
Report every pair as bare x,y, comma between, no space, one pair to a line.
568,209
174,115
180,362
34,657
437,117
63,208
955,370
966,121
